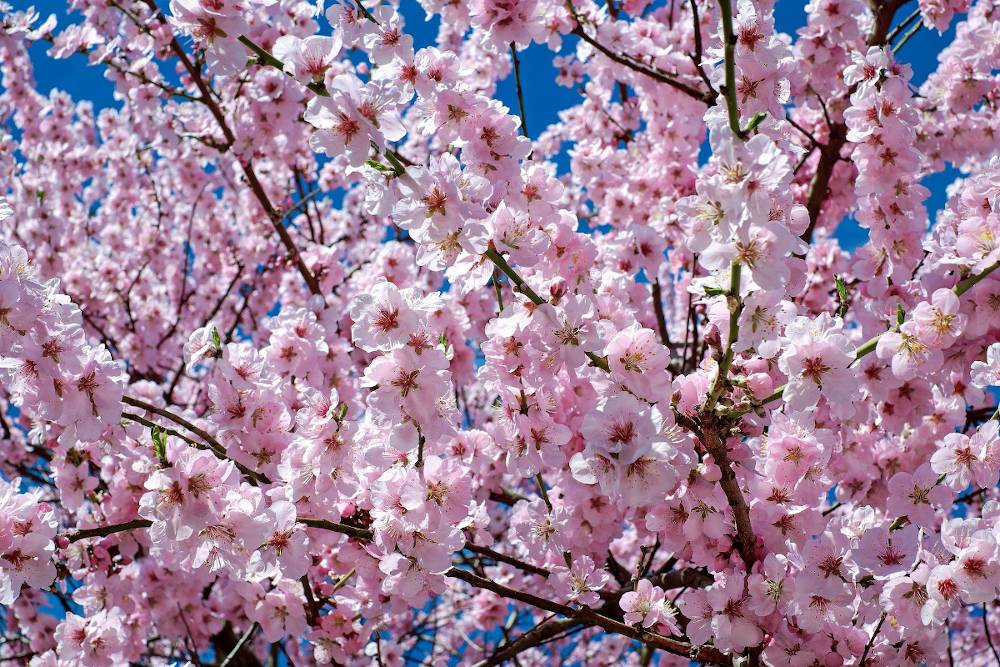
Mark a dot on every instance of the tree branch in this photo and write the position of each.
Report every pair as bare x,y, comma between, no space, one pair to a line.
104,531
704,654
212,443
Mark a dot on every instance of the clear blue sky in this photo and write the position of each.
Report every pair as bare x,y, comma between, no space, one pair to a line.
543,99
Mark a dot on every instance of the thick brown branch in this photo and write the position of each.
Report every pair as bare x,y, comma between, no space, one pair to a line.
746,541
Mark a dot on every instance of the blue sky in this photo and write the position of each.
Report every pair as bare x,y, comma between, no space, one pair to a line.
543,99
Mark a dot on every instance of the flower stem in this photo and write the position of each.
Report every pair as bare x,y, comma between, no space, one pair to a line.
729,39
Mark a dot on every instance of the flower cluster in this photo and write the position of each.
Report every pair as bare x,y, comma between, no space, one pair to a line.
48,365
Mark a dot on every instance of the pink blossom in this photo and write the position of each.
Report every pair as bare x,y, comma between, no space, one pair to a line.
816,362
644,605
581,582
986,374
639,361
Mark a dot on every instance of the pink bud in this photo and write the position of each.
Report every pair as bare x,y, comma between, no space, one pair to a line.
712,336
754,365
557,290
760,385
833,659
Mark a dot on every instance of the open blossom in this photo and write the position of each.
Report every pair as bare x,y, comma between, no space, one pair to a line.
75,482
388,40
285,550
772,587
816,361
507,21
384,318
734,627
308,59
627,452
987,374
639,361
963,460
438,202
95,640
884,551
572,329
27,531
354,114
279,612
917,495
412,391
213,23
939,321
644,605
976,570
581,582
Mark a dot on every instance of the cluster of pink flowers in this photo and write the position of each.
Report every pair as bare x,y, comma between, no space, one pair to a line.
26,541
312,351
48,366
881,123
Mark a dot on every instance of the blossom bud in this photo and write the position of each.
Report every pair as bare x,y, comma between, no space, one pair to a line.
712,336
760,385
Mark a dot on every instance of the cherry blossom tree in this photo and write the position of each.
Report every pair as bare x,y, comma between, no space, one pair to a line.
312,353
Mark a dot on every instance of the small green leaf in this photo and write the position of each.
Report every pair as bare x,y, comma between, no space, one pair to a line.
159,444
378,166
899,522
714,291
757,119
900,315
216,338
842,300
397,166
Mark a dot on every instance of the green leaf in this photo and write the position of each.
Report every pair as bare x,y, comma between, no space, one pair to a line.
900,315
159,444
216,338
842,300
397,166
378,166
757,119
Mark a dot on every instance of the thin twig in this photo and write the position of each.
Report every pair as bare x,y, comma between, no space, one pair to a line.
729,42
240,644
104,531
520,93
989,636
871,640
